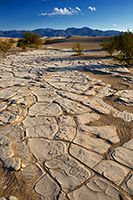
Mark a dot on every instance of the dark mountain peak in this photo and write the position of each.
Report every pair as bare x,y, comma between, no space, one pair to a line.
86,28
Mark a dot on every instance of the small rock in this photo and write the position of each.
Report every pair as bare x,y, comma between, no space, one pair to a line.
23,165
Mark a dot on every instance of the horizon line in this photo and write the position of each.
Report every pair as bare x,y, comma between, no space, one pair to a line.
64,29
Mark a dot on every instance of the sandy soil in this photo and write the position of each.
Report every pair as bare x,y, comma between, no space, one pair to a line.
13,184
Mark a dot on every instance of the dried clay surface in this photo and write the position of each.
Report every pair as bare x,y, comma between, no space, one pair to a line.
66,127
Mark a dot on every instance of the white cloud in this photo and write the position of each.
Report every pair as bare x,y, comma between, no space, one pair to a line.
92,8
77,8
62,11
114,25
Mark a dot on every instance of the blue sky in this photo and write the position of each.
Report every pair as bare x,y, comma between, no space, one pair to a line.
61,14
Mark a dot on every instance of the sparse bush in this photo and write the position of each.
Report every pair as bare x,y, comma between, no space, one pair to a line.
6,45
37,43
78,48
109,45
22,44
11,40
123,44
29,40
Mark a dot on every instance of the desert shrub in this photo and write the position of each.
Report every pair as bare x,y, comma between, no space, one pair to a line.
22,44
123,44
77,48
109,45
5,45
33,39
29,40
37,43
11,40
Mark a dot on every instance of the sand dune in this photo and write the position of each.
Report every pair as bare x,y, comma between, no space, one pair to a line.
88,43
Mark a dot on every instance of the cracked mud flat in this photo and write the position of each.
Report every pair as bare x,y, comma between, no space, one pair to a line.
66,128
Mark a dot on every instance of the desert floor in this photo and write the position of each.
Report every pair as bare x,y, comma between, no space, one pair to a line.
66,128
88,43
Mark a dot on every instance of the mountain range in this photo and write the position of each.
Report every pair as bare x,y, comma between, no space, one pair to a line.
49,32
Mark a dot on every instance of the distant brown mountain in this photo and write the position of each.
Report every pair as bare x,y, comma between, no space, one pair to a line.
85,31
